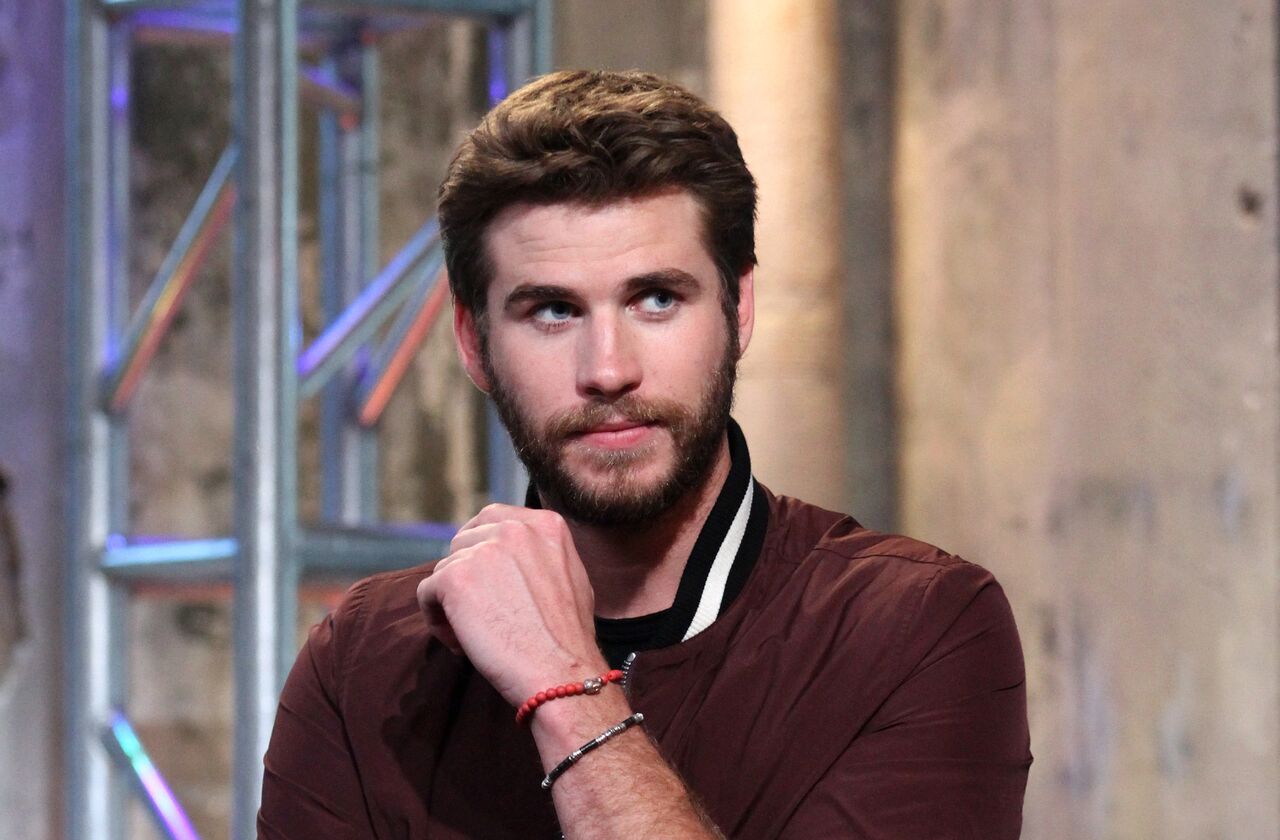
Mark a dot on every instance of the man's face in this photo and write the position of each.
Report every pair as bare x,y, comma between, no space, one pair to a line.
607,351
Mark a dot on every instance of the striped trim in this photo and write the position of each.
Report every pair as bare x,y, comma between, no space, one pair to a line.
712,600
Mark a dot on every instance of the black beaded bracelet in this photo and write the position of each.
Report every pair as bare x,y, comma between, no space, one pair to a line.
573,757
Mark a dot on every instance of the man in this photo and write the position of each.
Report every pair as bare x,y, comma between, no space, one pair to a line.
781,671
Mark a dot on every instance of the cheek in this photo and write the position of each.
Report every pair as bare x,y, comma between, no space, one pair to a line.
685,363
537,381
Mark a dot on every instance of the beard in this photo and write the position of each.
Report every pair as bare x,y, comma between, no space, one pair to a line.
620,499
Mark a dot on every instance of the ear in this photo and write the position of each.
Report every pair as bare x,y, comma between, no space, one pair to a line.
466,336
746,308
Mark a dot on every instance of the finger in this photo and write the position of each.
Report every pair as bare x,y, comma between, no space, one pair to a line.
503,513
437,620
506,532
474,536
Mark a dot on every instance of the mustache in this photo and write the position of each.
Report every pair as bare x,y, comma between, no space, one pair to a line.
630,408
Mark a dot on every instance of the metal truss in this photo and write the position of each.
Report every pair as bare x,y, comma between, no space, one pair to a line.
324,52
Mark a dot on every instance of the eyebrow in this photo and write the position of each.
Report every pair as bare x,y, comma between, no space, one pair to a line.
670,278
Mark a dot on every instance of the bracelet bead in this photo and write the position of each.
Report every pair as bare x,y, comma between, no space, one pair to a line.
589,686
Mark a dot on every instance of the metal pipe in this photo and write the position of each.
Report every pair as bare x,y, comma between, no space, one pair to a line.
156,23
323,91
468,8
498,43
125,746
368,550
521,48
169,559
541,38
389,365
195,36
120,61
451,7
180,26
365,470
337,344
91,608
348,454
177,274
265,304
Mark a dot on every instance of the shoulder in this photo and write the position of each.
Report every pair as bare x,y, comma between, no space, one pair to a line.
805,534
377,615
912,592
380,597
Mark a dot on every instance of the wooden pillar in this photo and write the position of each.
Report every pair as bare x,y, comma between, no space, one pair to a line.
1087,299
774,75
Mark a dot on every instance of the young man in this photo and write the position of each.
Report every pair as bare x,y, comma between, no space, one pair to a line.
780,671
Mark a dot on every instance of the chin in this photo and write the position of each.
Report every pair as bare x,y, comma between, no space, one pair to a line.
620,496
608,465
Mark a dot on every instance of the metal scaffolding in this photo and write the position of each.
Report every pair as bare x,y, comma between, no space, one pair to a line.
376,318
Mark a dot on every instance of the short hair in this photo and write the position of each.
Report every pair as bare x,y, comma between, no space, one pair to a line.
593,137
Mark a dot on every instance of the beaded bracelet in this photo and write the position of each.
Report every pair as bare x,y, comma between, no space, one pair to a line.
591,685
573,757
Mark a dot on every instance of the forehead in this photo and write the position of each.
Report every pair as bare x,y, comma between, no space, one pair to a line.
573,243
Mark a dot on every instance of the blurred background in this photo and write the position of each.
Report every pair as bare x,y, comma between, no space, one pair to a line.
1017,297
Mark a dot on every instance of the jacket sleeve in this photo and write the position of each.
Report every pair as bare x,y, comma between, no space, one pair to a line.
947,753
311,786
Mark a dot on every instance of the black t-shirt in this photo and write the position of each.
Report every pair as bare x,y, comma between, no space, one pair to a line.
621,636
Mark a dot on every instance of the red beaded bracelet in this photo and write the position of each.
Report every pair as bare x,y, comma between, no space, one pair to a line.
591,685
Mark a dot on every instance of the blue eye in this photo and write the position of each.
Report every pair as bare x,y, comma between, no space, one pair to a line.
657,300
553,312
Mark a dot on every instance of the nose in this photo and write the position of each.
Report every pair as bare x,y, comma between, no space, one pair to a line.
609,364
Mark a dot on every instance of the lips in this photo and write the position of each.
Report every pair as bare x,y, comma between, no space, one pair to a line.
616,434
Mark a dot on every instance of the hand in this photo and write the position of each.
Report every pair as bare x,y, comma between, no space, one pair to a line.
513,596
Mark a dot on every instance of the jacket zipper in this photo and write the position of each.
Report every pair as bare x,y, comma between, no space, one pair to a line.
626,673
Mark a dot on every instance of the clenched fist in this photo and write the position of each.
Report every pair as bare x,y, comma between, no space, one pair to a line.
513,597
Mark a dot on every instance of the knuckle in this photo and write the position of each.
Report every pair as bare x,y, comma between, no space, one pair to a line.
550,522
509,528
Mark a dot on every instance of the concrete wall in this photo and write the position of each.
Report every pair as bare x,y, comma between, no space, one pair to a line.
31,400
774,76
662,36
866,113
1087,312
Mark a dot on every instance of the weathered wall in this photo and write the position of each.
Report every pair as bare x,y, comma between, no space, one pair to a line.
774,75
31,400
1087,310
667,37
866,106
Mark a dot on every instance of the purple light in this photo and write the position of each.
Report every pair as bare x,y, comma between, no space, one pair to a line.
119,98
163,803
497,65
180,20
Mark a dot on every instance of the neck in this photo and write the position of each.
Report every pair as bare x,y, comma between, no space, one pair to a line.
636,570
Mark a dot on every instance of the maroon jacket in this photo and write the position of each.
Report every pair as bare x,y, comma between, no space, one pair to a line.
862,685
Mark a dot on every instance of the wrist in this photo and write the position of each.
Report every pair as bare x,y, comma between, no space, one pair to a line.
559,728
566,667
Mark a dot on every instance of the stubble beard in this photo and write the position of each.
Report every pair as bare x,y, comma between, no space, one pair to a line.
620,499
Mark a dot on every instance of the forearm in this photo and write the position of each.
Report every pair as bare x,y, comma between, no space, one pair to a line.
622,789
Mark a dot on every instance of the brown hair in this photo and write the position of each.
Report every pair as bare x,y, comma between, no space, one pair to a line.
592,137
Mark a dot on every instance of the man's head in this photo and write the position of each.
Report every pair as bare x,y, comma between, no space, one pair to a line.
591,137
599,235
